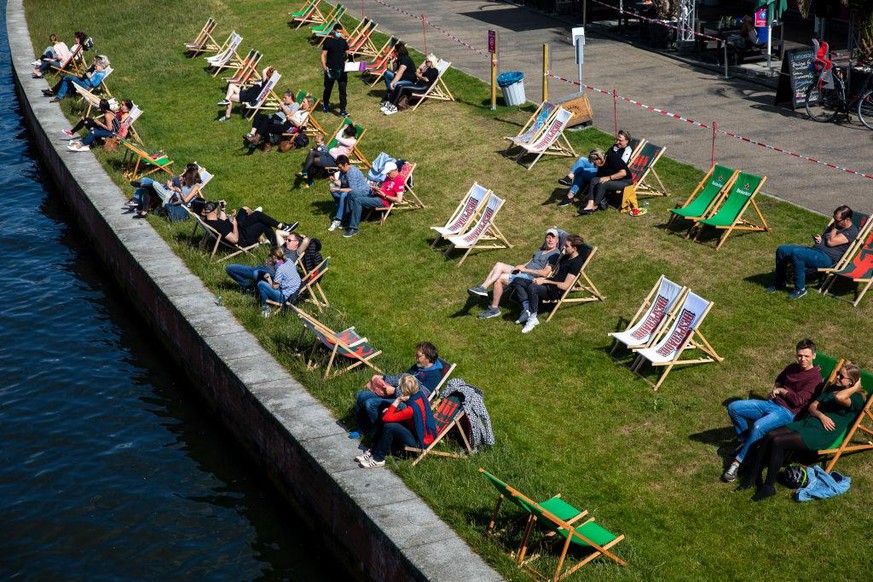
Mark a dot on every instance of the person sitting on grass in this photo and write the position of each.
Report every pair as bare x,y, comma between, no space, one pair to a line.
240,94
791,393
413,425
280,288
246,227
503,274
369,403
89,81
425,76
247,277
349,183
829,416
581,174
321,157
105,125
383,195
827,248
530,292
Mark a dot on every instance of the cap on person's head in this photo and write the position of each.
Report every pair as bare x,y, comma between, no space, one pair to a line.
553,232
390,167
432,58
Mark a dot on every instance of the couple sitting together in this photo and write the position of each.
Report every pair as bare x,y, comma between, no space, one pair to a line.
792,418
550,272
353,192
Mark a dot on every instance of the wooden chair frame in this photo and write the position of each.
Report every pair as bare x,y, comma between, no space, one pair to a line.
132,171
267,99
204,41
309,284
454,424
223,47
381,61
654,313
227,59
858,270
247,72
484,229
309,14
534,126
551,140
710,180
363,45
686,339
345,344
334,17
739,223
438,89
642,165
466,213
74,59
581,284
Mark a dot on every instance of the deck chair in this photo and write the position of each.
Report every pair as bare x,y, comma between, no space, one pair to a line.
483,235
91,97
332,18
438,89
636,145
363,46
447,413
858,269
204,41
247,71
355,156
308,14
828,365
654,313
379,66
551,141
138,163
71,66
227,58
534,126
267,98
448,368
309,289
410,200
221,49
582,290
729,216
706,196
465,214
128,122
864,230
684,334
346,344
213,237
859,436
642,168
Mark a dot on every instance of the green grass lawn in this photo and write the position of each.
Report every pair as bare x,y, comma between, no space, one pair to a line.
567,418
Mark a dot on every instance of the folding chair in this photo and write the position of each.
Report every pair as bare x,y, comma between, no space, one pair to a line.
863,425
71,65
267,98
223,47
136,161
864,230
858,269
309,286
447,371
828,365
438,89
636,144
309,14
551,141
729,216
247,71
132,115
91,97
92,100
483,230
706,196
381,61
582,285
654,313
332,18
355,156
410,200
642,165
684,334
464,215
210,234
204,41
346,344
534,126
447,414
227,59
363,46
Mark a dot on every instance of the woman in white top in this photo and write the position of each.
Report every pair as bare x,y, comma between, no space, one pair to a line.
321,157
53,56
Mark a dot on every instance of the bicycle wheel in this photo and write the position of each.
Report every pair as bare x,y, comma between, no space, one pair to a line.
821,104
865,109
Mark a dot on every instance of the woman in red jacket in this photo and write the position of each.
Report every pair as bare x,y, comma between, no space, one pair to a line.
414,425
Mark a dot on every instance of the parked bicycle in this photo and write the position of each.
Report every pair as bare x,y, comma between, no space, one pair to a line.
826,96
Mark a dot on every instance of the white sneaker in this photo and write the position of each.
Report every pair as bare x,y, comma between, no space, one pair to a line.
371,463
266,312
36,63
77,147
259,209
532,322
365,457
525,315
334,225
383,109
390,110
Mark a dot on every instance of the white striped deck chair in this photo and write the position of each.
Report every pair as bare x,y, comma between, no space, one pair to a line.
684,334
226,59
534,126
221,49
551,140
483,230
464,215
654,313
438,90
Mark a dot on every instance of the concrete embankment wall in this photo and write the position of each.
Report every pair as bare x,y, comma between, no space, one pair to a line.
379,528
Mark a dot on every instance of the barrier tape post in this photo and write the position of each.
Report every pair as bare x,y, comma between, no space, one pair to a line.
492,48
615,111
424,31
727,73
545,72
712,155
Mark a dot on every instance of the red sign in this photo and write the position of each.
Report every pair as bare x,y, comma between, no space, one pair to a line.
492,41
761,18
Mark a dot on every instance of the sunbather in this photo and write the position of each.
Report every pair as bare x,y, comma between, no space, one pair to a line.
383,195
321,157
54,55
412,425
613,173
349,183
181,190
281,287
290,117
829,416
90,80
581,174
246,227
502,274
425,76
403,72
100,127
240,94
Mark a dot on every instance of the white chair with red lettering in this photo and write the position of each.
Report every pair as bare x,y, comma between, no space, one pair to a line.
654,313
684,334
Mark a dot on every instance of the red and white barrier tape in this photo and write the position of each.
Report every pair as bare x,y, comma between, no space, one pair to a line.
432,25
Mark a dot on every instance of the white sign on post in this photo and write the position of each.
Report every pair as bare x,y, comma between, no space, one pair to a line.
579,43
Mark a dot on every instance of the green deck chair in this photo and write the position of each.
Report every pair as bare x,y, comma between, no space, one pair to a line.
827,364
329,21
849,442
355,156
729,217
706,196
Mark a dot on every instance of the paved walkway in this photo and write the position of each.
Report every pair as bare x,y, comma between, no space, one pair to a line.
695,93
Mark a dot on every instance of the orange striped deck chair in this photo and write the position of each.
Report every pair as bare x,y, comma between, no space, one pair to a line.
345,345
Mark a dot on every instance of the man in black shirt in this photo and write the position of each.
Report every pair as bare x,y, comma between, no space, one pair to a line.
333,61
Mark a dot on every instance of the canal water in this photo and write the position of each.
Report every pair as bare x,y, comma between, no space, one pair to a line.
109,468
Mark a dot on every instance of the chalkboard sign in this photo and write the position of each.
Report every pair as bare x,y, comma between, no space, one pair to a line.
796,76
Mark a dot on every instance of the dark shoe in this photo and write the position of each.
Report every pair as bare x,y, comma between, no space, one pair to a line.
289,227
136,183
54,100
350,233
763,493
478,291
48,92
325,107
489,313
773,289
797,293
730,474
343,113
565,201
565,181
587,212
744,485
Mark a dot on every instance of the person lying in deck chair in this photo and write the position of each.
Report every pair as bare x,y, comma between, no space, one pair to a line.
829,416
425,76
268,129
791,393
613,173
246,227
239,94
281,287
529,292
390,191
90,80
380,392
54,55
827,248
503,274
181,190
321,157
350,183
105,125
248,277
413,425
